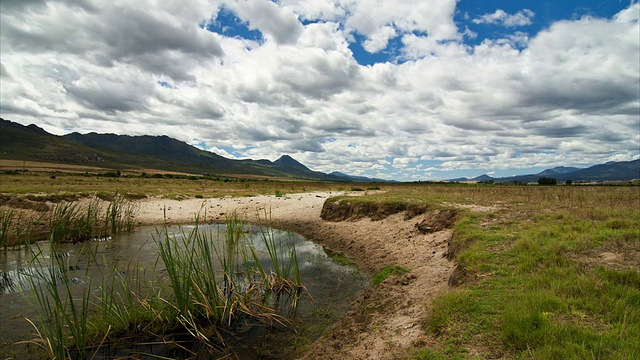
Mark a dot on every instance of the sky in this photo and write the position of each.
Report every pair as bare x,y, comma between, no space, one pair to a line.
406,89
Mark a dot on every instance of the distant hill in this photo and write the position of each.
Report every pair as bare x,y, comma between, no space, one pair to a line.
611,171
19,142
559,170
357,178
31,142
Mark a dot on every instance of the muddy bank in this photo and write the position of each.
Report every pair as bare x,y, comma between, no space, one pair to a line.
386,321
343,210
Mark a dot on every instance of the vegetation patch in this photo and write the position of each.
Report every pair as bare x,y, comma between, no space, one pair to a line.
383,274
338,258
208,291
545,278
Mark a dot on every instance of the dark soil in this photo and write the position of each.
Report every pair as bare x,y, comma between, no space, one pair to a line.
351,211
23,203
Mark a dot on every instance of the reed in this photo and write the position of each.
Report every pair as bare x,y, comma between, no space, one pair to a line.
224,284
121,304
64,223
75,222
120,216
283,275
210,284
64,329
7,216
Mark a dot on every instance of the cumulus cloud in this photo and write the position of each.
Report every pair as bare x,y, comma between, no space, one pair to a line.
381,21
567,95
500,17
278,23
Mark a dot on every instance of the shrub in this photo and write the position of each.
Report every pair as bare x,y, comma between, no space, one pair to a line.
547,181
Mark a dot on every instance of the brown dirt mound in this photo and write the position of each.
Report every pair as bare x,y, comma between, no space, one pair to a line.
386,321
352,211
437,220
22,203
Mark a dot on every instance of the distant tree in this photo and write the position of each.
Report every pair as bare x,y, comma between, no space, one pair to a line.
547,181
568,182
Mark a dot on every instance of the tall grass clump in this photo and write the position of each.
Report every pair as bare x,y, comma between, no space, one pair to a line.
210,284
75,222
64,329
74,318
120,216
122,305
223,284
67,223
7,216
282,277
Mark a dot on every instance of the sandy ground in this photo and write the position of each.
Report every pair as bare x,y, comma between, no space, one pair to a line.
387,319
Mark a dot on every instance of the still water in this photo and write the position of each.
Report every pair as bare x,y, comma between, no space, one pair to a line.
332,285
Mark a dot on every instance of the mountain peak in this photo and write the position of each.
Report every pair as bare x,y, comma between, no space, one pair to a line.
286,160
483,177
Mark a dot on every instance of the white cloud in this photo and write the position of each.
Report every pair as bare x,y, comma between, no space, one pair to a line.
378,40
629,15
567,95
500,17
278,23
380,21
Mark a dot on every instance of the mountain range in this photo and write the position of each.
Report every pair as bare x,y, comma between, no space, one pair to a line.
611,171
20,142
33,143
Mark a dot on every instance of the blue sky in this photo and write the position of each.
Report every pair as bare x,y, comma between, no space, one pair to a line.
405,90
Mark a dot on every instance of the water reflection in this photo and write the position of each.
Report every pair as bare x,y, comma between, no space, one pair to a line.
332,286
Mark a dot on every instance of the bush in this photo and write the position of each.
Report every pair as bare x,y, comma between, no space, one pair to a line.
547,181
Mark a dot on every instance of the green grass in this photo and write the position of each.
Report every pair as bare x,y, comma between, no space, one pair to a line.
338,258
383,274
533,282
74,222
7,218
63,330
133,187
534,286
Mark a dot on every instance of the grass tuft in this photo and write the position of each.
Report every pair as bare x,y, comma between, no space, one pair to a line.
386,272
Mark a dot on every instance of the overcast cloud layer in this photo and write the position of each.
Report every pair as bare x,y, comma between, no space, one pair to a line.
282,78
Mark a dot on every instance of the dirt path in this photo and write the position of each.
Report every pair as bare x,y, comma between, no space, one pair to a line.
388,317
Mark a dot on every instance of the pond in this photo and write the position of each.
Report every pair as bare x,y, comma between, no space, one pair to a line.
331,283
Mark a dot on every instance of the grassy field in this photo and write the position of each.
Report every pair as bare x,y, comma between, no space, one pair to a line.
169,185
542,271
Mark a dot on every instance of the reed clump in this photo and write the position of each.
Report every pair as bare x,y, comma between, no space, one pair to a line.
235,281
7,217
75,222
209,284
63,330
